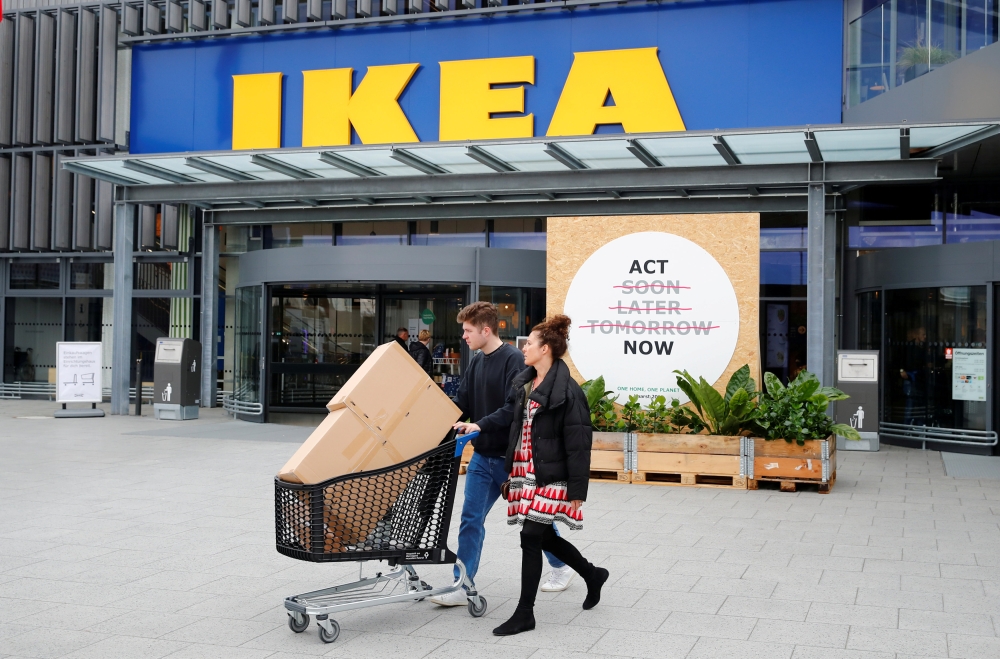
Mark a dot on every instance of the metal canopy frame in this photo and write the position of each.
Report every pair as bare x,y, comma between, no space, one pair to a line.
694,171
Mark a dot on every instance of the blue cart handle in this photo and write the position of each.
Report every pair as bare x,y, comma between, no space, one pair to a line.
462,440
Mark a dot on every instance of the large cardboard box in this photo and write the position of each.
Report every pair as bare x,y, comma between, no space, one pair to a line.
388,412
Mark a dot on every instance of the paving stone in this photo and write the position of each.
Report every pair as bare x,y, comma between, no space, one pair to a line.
712,648
898,640
795,633
949,623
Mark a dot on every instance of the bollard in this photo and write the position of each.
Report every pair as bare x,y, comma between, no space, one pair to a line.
138,387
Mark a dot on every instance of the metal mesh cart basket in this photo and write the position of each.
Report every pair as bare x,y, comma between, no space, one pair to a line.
399,514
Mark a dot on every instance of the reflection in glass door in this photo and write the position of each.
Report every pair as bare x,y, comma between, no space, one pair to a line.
435,311
319,338
247,364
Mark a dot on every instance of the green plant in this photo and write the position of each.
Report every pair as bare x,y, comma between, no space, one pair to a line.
798,412
728,414
603,415
929,55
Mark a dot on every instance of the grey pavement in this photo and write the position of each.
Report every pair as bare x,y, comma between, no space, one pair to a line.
129,537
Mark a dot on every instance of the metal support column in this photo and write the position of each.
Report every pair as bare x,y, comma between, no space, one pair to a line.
121,358
209,313
821,313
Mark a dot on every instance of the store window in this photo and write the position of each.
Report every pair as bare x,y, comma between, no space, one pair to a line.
519,309
923,329
296,235
91,276
32,276
161,276
33,326
372,233
450,233
870,320
518,233
783,274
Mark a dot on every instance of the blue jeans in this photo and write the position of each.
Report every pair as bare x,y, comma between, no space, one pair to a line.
482,488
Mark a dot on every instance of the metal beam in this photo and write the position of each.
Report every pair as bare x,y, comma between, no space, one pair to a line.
209,310
343,163
473,210
484,157
725,151
786,176
276,165
158,172
820,294
121,357
210,167
812,146
80,168
639,151
416,162
904,143
961,142
564,156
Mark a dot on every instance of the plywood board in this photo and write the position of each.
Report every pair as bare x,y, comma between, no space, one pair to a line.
794,468
689,463
607,460
779,448
708,444
732,239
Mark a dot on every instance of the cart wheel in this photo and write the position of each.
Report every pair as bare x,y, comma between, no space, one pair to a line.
329,637
295,625
480,611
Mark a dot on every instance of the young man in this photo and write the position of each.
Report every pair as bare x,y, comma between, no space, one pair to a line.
481,397
403,338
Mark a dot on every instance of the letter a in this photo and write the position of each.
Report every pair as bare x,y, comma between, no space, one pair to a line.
633,77
329,109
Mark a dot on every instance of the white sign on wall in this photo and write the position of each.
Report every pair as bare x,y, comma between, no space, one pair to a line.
968,374
78,372
647,304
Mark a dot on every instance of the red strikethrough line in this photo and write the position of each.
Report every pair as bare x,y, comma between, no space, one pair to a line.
649,329
654,308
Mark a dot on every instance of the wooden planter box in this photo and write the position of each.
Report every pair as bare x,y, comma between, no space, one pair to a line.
787,463
466,456
607,458
689,460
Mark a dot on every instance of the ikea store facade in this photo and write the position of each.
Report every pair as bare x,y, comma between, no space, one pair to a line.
289,183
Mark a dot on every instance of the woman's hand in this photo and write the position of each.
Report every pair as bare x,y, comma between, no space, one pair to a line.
575,504
465,428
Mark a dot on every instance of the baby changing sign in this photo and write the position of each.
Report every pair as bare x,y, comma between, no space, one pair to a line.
646,304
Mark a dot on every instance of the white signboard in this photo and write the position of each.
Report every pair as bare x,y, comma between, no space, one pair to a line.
78,372
647,304
968,374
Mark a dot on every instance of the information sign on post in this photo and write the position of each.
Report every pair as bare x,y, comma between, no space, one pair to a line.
78,377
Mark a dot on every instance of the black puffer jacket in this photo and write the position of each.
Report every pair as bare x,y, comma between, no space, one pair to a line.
561,434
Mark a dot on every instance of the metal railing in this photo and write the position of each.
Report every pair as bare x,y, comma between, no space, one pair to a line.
18,390
924,434
234,405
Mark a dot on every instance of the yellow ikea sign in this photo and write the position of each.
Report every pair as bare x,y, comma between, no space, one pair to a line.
469,99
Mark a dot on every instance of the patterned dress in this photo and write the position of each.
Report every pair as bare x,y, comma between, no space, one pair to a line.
527,501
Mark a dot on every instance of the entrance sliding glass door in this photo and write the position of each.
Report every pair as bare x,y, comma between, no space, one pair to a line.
319,336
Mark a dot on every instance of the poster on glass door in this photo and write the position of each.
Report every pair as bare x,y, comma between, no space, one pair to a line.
968,374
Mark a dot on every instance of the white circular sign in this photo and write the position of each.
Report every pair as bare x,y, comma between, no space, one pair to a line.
647,304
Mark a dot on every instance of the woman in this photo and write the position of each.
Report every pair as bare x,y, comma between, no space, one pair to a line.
548,458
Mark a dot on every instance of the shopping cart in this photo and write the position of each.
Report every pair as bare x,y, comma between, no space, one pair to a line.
399,514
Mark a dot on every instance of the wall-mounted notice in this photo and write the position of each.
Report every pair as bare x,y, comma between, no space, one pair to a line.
78,372
968,374
646,304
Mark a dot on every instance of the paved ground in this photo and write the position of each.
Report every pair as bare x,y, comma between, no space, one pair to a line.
125,537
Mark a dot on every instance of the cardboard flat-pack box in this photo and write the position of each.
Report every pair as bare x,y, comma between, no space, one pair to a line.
388,412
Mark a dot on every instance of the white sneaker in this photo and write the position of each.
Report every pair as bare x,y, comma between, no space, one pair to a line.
559,579
457,598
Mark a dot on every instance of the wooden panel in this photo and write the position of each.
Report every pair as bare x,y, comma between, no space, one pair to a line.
798,468
779,448
608,441
86,91
65,77
731,238
709,444
689,463
45,75
6,81
607,460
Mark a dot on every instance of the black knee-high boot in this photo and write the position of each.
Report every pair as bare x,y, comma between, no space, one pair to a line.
571,556
523,619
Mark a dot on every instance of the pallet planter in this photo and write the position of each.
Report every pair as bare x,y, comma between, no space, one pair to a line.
789,464
607,458
689,460
466,456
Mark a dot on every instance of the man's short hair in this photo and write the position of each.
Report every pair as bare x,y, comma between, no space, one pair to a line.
402,330
480,314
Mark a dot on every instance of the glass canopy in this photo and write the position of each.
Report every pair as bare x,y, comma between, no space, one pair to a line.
596,152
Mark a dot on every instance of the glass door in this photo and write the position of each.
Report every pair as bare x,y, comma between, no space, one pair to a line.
247,364
319,337
435,310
